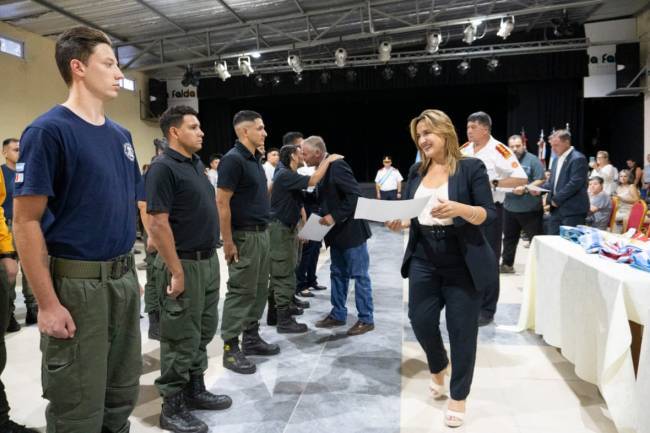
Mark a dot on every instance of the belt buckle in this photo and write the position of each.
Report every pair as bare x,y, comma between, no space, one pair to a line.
119,268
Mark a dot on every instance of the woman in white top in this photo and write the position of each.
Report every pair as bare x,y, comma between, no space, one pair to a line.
603,169
627,195
448,260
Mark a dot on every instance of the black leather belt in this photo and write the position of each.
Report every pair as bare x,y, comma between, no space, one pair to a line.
437,232
257,228
196,255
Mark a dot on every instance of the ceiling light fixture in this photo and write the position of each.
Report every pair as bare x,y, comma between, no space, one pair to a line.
340,57
435,69
433,42
463,66
294,62
384,51
492,64
412,70
506,27
221,69
190,77
244,64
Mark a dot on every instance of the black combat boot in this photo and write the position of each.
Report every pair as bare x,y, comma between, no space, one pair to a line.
300,303
197,397
271,312
295,310
32,314
154,325
252,343
176,417
234,359
287,324
12,324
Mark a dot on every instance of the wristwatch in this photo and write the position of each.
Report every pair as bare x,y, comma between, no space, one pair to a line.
495,183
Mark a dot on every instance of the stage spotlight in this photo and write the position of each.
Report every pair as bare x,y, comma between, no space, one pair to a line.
492,64
297,79
275,81
412,70
325,77
463,67
259,80
294,62
384,51
506,27
433,42
340,57
469,34
435,69
190,78
244,63
351,76
221,69
387,73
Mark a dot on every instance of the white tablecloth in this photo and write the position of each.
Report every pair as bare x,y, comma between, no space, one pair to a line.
581,303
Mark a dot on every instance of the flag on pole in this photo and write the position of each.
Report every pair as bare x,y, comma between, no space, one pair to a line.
541,149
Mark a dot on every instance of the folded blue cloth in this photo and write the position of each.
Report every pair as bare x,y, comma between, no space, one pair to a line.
641,261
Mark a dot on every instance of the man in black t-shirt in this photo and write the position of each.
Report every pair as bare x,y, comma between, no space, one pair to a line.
183,226
286,203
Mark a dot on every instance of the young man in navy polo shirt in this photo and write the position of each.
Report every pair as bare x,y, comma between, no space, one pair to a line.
75,195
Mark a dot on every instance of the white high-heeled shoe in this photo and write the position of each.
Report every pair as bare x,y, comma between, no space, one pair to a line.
437,391
453,418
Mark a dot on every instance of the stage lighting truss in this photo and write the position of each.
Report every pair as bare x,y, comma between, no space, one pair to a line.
384,51
506,27
319,65
340,57
433,42
245,66
294,63
221,69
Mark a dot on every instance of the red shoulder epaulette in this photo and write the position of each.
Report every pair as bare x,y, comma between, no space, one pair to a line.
465,145
504,151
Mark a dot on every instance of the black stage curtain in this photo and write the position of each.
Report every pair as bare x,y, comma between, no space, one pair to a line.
368,118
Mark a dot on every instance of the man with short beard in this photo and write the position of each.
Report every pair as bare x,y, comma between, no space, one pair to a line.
522,211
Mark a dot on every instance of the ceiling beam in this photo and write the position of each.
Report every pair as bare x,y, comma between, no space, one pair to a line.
242,21
161,15
78,19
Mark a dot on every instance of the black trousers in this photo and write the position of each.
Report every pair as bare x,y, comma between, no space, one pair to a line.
513,224
306,269
555,221
4,319
445,283
494,234
388,195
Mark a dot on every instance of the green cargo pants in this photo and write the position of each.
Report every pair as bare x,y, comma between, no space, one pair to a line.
4,320
188,323
283,263
92,380
248,283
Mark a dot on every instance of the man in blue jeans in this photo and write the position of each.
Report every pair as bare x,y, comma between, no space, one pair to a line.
339,192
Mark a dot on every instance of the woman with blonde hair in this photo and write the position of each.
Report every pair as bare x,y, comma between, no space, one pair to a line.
627,194
448,260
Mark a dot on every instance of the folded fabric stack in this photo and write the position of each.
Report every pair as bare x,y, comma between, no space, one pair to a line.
628,248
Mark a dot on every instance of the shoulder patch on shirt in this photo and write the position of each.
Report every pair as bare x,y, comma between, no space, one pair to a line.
20,167
503,150
19,177
128,151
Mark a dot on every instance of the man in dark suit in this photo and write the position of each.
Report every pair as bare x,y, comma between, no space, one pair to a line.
568,184
339,192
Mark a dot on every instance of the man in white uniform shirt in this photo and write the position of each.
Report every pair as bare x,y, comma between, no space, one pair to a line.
272,158
504,171
388,181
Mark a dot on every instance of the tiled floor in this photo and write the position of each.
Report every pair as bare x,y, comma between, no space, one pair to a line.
325,381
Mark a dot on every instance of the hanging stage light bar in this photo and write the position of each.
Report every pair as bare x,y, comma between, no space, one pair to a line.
506,27
221,69
384,51
244,63
433,42
340,57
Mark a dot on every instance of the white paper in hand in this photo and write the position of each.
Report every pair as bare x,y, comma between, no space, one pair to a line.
313,230
389,210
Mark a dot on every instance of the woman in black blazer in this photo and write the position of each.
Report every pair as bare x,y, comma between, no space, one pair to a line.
448,261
